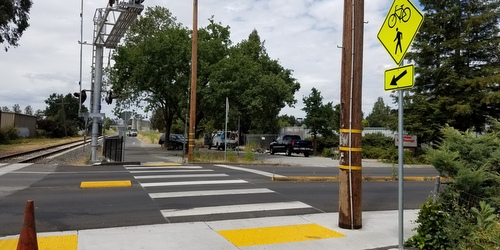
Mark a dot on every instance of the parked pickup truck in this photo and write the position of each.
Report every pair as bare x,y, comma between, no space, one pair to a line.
291,144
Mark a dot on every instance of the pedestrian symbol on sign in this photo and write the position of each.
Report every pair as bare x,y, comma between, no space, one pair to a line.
399,28
399,36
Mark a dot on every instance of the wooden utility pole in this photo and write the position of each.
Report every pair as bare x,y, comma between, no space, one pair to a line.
194,62
350,169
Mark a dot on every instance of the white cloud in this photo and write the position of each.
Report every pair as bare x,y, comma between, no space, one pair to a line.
302,34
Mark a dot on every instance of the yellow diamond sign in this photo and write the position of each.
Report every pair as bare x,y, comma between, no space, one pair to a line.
399,28
399,78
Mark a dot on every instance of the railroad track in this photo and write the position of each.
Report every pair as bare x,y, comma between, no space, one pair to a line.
35,155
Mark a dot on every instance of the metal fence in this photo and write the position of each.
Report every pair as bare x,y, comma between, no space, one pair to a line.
113,148
464,199
260,141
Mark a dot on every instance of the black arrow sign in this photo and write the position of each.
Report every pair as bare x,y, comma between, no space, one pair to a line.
396,79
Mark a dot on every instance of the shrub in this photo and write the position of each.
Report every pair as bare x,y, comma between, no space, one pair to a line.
327,152
248,156
486,233
231,156
8,134
324,144
472,162
430,233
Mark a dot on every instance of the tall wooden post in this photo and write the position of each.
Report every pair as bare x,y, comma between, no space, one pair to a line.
350,169
194,64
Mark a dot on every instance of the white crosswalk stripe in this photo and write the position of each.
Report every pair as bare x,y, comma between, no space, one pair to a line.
185,183
170,171
7,168
178,176
177,188
210,193
168,167
234,209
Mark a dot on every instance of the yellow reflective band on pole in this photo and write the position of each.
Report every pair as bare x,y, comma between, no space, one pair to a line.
350,149
355,131
344,167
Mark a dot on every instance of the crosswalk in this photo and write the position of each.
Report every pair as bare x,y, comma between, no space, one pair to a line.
11,167
197,193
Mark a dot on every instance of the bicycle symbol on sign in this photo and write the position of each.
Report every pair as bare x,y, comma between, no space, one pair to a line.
401,13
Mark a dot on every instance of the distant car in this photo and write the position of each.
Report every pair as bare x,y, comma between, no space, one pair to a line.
289,144
132,132
219,140
176,141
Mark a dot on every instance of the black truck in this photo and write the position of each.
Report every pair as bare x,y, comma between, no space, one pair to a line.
291,144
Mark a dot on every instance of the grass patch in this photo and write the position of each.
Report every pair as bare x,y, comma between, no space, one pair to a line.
248,156
149,136
218,156
27,144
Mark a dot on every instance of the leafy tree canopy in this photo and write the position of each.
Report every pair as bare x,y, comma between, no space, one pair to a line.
380,115
61,116
28,110
457,62
320,118
14,15
288,121
153,67
257,86
16,109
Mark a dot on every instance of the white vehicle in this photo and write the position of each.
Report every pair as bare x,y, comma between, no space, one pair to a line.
219,140
132,133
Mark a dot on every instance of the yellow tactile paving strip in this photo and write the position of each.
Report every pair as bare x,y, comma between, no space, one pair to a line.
278,234
63,242
105,184
161,164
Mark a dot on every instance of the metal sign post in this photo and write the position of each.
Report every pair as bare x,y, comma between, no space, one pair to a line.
225,129
396,35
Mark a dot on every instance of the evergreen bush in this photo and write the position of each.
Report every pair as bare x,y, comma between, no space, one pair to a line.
460,216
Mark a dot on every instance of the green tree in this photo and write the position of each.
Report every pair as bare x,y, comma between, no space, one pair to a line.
257,87
456,55
28,110
213,46
152,66
288,121
157,120
380,115
319,117
16,109
61,116
6,109
14,15
39,114
336,118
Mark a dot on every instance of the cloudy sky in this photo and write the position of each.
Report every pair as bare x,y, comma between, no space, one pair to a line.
304,35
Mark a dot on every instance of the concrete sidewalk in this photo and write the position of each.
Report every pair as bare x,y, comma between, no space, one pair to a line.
313,231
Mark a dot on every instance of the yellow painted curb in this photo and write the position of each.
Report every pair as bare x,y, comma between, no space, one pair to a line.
365,178
161,164
105,184
306,178
278,234
66,242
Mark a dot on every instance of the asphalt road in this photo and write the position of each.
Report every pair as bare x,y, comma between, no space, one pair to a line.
60,203
198,192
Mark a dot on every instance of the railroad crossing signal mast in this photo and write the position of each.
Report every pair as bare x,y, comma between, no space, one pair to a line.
110,24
